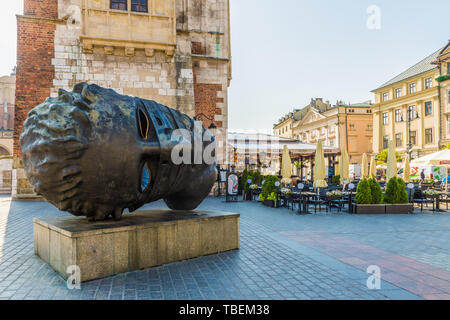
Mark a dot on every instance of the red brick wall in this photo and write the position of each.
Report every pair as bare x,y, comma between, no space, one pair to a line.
41,8
206,100
35,73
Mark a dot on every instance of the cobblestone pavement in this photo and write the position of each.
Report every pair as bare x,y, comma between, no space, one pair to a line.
283,256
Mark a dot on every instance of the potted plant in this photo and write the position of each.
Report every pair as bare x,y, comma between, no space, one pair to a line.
431,194
336,180
286,191
272,200
269,191
396,198
368,198
334,195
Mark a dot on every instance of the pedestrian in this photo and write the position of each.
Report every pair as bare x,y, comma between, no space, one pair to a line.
422,176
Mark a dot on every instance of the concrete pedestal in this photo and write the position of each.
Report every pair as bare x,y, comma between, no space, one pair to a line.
140,240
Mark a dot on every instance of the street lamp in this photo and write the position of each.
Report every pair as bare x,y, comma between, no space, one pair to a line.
411,116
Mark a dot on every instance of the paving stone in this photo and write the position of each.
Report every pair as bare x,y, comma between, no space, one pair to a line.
269,265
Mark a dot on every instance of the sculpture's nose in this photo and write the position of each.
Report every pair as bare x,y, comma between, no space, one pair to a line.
151,149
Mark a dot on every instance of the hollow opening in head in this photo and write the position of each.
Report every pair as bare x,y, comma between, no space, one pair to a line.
143,123
145,178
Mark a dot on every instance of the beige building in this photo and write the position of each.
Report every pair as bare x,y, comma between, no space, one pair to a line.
7,96
412,108
336,125
443,63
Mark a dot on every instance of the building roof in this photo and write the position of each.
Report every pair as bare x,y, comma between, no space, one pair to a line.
420,67
261,142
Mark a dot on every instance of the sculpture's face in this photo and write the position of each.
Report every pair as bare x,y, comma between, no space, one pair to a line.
95,153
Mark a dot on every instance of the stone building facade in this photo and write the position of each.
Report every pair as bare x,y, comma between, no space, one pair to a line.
176,52
336,125
443,63
412,109
7,96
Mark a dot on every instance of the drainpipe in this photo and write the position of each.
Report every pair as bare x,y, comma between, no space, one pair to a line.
346,129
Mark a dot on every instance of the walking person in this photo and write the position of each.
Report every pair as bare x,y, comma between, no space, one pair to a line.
422,176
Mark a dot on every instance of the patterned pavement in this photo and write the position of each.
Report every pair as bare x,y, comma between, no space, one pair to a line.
283,256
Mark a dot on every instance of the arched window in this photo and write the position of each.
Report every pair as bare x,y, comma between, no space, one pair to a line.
119,4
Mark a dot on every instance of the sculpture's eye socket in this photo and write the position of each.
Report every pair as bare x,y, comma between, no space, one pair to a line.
143,123
145,178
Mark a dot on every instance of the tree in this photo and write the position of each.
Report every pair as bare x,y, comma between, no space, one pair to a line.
383,154
391,190
363,193
395,192
377,193
402,194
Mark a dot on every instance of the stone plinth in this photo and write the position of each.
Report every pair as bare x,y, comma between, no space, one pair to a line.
140,240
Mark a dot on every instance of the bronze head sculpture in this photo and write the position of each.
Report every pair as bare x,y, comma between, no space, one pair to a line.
94,153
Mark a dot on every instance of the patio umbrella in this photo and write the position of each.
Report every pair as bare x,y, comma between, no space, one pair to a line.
343,166
391,170
319,167
373,168
364,167
286,165
407,170
337,168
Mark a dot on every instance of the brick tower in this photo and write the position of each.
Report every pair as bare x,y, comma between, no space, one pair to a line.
176,52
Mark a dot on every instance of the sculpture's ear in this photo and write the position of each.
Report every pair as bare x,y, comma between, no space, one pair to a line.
88,95
78,88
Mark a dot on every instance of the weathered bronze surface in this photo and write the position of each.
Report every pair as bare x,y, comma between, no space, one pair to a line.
94,153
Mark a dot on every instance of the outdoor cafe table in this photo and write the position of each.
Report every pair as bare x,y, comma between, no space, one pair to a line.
349,194
437,199
304,201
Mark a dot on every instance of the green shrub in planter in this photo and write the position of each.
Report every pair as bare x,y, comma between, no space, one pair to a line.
336,180
395,192
376,192
269,187
272,196
402,194
363,192
253,175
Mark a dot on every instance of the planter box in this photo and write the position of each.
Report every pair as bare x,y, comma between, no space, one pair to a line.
271,203
384,208
399,208
370,209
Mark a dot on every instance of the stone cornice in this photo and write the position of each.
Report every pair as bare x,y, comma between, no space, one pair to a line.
48,20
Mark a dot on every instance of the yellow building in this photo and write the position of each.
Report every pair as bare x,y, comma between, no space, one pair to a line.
408,109
336,125
284,126
443,63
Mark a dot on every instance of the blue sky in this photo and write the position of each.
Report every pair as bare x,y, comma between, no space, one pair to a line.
285,52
